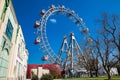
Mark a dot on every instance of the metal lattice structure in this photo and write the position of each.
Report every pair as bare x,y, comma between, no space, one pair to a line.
41,29
73,57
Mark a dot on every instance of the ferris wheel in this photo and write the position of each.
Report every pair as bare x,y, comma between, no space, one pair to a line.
40,25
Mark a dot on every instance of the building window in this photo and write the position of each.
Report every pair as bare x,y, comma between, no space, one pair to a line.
18,49
4,9
4,54
17,69
9,30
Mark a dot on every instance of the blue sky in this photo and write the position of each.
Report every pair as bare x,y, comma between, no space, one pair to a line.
27,12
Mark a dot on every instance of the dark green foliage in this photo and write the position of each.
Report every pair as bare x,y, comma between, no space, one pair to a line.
47,77
54,74
34,77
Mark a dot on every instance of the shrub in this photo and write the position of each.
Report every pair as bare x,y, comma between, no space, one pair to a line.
55,71
47,77
34,77
54,74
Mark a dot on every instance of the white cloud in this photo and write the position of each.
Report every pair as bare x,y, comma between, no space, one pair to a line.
53,20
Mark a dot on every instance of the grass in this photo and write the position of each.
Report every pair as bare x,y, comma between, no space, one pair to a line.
96,78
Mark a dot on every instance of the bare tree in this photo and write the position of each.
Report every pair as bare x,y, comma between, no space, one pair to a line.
87,60
106,43
111,26
95,57
104,50
90,59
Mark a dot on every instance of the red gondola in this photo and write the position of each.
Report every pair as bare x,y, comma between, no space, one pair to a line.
90,40
44,58
37,41
72,12
52,6
42,12
62,7
78,21
86,30
37,24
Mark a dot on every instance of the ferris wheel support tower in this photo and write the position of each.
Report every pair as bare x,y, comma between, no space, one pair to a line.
73,54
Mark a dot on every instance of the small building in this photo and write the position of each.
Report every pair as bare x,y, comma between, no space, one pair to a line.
113,71
38,72
40,69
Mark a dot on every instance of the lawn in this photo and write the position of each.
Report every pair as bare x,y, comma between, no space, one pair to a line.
98,78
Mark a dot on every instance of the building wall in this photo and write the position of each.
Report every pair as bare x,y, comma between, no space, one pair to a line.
1,10
34,72
42,71
21,56
6,43
39,71
10,62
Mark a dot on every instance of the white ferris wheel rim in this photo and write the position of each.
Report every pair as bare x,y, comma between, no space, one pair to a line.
41,30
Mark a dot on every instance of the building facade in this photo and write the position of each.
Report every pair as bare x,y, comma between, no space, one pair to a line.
12,56
39,72
21,55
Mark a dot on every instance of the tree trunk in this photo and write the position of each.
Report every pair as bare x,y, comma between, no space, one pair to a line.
96,73
109,77
118,66
91,75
